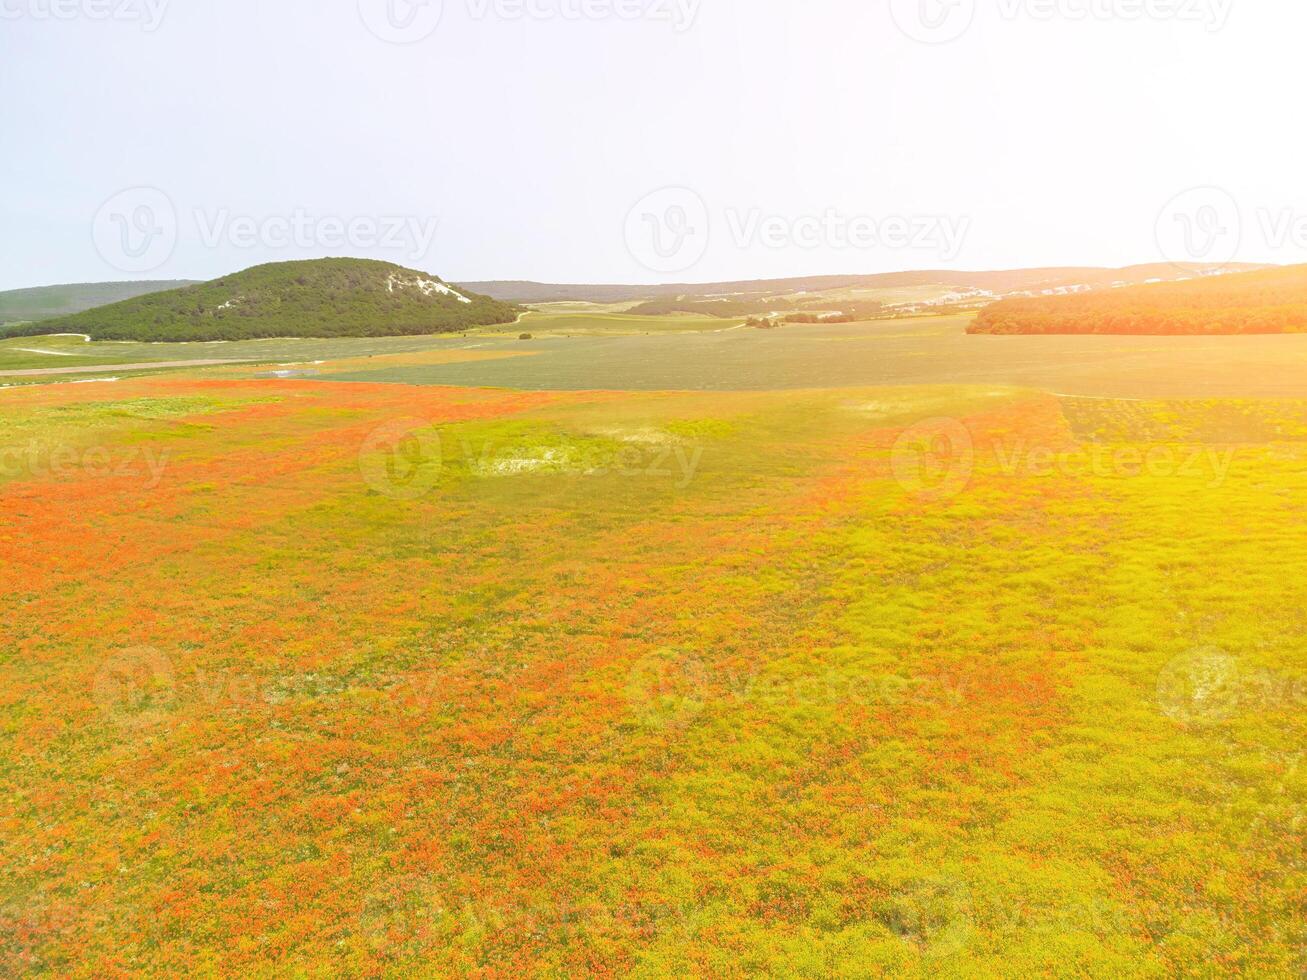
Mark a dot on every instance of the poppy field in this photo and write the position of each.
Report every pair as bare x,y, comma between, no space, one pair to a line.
314,678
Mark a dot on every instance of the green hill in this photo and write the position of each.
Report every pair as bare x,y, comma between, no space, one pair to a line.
318,298
45,302
1270,301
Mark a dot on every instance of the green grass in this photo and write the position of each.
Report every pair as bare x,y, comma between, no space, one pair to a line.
591,324
65,352
577,351
922,351
650,684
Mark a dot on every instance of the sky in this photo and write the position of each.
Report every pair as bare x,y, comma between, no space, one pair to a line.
646,140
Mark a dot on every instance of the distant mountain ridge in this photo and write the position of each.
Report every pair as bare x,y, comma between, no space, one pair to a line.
1014,280
315,298
47,302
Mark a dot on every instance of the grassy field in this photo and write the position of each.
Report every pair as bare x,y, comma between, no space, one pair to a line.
582,351
308,678
64,351
589,323
921,351
57,353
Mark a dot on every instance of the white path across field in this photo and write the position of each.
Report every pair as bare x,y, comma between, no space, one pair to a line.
92,369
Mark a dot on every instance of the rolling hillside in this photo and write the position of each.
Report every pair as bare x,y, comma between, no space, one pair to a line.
319,298
47,302
1033,280
1265,302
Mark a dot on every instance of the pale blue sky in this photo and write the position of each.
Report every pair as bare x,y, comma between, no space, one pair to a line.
1041,138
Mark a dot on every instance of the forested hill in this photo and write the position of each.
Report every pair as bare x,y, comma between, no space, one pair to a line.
1269,301
317,298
